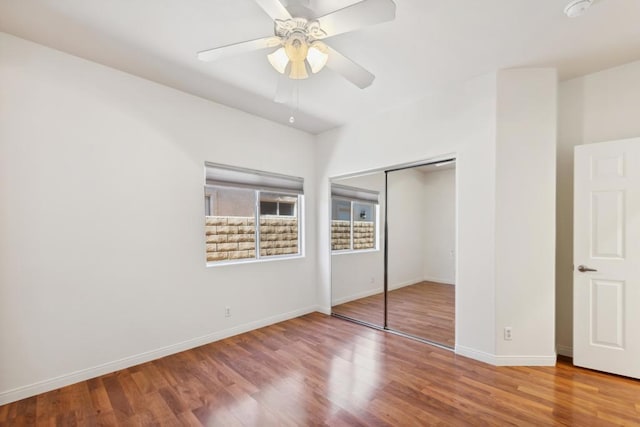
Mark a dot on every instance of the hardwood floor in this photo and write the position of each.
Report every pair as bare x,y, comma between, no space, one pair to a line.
425,310
320,370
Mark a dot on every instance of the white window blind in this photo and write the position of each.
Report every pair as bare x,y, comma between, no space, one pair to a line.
229,176
354,193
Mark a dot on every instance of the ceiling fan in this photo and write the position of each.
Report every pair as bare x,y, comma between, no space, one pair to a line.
299,39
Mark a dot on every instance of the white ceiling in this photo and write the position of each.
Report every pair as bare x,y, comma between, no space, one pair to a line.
430,44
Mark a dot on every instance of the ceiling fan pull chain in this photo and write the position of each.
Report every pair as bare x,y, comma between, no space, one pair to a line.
295,101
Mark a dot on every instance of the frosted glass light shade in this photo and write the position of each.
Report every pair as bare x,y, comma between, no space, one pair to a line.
298,70
317,58
296,48
279,60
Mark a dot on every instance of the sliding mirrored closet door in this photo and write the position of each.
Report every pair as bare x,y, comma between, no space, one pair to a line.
393,240
357,263
421,252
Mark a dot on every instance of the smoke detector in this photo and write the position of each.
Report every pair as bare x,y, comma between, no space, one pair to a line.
577,7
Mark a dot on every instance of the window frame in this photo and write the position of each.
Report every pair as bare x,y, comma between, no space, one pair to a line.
279,203
375,212
298,212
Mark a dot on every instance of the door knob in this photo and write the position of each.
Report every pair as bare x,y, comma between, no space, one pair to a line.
584,269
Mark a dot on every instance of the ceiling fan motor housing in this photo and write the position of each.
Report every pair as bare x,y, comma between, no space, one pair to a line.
309,29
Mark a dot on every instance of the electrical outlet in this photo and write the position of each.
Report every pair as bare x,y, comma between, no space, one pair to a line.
373,280
227,312
508,333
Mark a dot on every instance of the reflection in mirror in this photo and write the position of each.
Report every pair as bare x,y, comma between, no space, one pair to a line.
357,256
421,252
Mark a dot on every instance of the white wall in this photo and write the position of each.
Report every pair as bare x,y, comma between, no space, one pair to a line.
465,121
94,162
101,215
525,213
439,234
357,275
598,107
405,212
460,120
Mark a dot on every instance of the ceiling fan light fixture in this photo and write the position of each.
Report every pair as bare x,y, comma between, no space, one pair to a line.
296,47
279,60
317,56
292,55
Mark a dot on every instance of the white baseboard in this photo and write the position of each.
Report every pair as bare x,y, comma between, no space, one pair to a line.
395,286
29,390
564,350
446,281
371,292
474,354
496,360
324,310
526,360
354,297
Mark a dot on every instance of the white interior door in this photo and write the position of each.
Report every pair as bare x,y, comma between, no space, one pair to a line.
606,320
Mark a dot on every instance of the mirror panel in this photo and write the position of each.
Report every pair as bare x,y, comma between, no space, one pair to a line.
421,244
357,258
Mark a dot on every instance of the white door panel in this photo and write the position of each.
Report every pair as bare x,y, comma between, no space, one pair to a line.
607,239
607,313
607,224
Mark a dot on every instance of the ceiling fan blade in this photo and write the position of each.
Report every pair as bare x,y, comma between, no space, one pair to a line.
358,15
274,9
238,48
349,69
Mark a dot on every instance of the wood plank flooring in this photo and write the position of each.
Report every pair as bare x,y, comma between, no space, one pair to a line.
425,310
320,370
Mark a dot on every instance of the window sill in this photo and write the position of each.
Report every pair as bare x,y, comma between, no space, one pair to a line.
252,261
350,252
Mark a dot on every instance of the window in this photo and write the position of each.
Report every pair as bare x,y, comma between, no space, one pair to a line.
278,205
251,215
354,224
